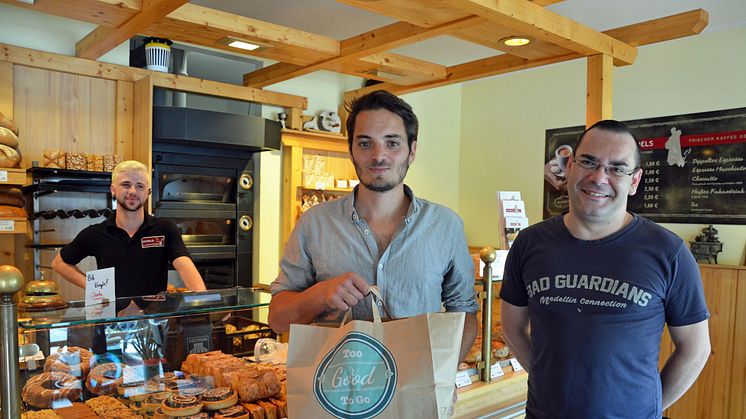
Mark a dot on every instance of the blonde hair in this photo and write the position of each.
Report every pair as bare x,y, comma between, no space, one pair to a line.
129,166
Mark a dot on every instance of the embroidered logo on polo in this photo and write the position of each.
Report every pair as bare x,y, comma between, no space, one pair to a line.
356,379
153,241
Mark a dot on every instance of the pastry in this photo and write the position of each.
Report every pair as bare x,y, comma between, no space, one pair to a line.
95,162
282,407
111,408
40,414
105,379
6,211
270,410
154,401
177,405
70,359
76,160
233,412
8,137
9,157
54,159
219,398
255,411
8,123
111,161
43,390
135,391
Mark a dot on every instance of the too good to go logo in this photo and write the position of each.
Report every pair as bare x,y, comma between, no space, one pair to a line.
356,379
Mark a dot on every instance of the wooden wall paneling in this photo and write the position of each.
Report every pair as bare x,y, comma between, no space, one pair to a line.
738,370
63,112
142,128
709,396
292,168
124,119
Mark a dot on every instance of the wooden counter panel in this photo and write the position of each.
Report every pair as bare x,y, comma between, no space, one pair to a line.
483,398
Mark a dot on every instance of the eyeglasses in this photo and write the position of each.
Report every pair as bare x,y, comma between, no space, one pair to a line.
592,165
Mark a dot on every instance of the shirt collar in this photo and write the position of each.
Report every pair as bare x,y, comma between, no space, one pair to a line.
414,204
111,222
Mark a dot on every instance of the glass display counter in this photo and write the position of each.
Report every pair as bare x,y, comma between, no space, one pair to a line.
131,349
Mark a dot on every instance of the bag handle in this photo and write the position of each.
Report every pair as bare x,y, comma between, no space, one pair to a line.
375,296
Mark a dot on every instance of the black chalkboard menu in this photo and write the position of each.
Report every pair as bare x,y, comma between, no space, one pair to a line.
694,168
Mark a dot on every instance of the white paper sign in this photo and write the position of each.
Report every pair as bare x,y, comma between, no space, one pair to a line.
514,209
3,175
509,195
463,379
496,371
99,287
515,364
100,311
7,225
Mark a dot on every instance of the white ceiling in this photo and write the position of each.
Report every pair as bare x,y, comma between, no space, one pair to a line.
339,21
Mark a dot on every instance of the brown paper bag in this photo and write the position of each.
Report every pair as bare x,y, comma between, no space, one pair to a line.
404,368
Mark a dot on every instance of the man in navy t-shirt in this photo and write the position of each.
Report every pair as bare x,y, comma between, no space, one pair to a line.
586,296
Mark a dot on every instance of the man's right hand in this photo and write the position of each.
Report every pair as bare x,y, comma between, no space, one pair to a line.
344,291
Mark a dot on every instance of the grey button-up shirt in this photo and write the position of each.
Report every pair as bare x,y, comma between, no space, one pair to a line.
426,266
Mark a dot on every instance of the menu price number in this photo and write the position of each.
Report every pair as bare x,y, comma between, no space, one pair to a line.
650,197
653,163
650,205
652,180
463,379
652,188
496,371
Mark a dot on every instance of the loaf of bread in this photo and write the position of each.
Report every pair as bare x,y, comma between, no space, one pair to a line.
12,199
251,388
111,161
95,162
9,157
76,160
54,159
8,137
8,123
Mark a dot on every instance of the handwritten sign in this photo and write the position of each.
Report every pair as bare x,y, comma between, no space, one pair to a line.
99,287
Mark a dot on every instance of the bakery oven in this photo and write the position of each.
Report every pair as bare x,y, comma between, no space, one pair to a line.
205,182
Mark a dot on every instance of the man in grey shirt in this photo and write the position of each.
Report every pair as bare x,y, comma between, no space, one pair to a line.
381,234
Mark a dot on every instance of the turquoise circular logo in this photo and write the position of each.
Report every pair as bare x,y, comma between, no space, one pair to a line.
356,379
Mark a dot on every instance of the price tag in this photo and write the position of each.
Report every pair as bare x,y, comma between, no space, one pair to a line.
3,175
7,225
496,371
515,364
463,379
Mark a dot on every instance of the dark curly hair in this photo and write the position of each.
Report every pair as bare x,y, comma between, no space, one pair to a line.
381,99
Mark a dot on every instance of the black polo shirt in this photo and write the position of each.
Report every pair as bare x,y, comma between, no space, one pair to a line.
140,263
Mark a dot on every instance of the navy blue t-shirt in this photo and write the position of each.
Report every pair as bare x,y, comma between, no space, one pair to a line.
597,310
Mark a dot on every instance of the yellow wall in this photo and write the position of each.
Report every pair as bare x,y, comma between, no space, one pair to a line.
504,121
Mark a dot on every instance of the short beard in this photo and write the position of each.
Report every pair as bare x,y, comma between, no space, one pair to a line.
381,186
123,205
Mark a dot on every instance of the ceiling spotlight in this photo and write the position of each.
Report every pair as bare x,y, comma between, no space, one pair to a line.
515,41
241,44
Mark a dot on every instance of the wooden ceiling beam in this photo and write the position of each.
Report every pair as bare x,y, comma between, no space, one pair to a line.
104,38
359,46
643,33
532,20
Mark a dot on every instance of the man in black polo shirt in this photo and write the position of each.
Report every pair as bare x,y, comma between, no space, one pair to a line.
136,244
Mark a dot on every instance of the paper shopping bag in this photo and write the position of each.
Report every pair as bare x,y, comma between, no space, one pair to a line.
404,368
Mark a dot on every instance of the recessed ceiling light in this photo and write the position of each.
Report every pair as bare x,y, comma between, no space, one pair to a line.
241,44
515,41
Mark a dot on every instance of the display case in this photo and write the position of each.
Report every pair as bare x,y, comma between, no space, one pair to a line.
134,353
315,167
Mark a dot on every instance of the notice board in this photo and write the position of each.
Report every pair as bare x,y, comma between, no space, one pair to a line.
694,168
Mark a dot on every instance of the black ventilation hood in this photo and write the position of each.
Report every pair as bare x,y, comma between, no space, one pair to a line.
209,128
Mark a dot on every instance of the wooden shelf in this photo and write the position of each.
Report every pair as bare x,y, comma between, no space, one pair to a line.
348,190
12,176
481,398
13,225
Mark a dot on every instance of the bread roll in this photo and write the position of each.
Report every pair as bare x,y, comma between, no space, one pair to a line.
7,211
110,162
8,123
54,159
12,201
8,137
9,190
9,157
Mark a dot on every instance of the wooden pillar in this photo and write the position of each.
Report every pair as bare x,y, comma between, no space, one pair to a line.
599,89
124,119
295,118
